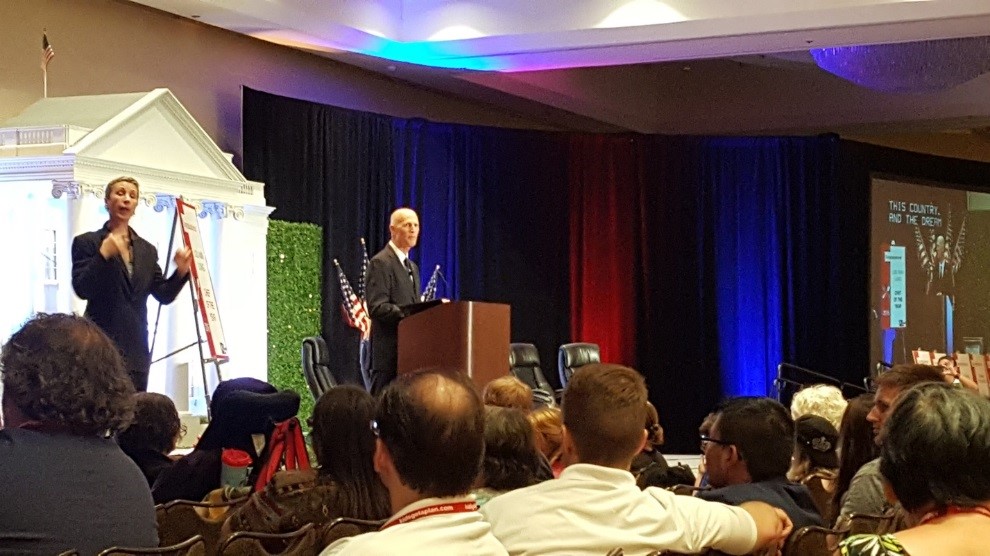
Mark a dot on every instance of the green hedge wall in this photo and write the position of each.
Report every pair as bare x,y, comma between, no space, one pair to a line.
294,267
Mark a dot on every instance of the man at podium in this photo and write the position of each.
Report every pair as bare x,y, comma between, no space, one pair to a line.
393,285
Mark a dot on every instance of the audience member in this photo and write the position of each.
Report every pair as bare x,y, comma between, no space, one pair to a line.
649,466
511,459
595,505
748,453
152,435
951,374
344,485
856,447
815,462
509,391
704,430
823,400
865,494
548,424
430,430
241,409
934,456
66,483
815,444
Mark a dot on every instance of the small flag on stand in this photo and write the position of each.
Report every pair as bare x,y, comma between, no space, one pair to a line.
355,310
430,293
363,277
47,53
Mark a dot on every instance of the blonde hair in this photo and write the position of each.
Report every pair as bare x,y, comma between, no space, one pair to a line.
548,425
128,179
509,391
822,400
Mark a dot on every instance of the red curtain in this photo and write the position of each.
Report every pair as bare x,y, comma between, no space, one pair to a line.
605,222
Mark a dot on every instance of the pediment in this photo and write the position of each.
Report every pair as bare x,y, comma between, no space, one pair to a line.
157,132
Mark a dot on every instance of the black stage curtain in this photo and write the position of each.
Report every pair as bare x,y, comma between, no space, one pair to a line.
492,209
329,167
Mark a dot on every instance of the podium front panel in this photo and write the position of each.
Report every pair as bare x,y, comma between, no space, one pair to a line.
460,336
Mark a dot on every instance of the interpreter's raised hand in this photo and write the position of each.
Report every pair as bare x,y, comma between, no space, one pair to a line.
112,246
183,260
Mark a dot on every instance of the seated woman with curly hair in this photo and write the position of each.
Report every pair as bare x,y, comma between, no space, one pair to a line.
345,485
934,460
66,484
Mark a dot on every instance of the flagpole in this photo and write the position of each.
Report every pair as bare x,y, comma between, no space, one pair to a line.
44,73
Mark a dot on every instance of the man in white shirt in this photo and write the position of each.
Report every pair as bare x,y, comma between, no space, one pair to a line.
595,505
430,430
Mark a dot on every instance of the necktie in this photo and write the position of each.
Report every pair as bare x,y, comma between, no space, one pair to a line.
406,263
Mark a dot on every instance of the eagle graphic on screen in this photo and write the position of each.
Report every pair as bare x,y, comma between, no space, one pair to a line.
941,256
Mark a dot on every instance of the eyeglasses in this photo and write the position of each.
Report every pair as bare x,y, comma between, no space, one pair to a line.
374,428
706,440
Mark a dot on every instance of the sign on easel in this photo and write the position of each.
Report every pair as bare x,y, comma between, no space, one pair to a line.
209,313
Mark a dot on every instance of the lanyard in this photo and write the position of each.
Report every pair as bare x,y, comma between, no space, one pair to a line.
437,509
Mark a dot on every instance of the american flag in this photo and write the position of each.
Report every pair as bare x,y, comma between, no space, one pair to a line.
47,52
355,310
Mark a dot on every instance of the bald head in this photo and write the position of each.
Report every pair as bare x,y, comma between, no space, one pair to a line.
403,226
433,426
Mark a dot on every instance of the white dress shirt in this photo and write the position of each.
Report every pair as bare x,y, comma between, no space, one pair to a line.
591,510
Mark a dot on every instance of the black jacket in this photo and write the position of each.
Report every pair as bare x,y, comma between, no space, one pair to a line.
389,292
116,302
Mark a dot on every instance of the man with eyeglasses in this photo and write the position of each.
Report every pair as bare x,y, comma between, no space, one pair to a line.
429,430
747,454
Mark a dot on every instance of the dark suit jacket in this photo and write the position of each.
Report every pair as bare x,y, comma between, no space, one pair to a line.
389,292
116,302
793,498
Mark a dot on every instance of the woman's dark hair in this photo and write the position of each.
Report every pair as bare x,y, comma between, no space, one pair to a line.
856,445
155,426
64,372
511,459
345,446
936,447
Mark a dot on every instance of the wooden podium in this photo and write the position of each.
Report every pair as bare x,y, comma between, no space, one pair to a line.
462,336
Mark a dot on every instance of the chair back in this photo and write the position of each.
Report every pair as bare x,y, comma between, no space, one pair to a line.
316,366
193,546
182,519
344,527
524,364
304,542
881,524
571,357
813,540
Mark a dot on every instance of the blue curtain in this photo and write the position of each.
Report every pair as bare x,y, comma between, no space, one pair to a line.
763,197
493,212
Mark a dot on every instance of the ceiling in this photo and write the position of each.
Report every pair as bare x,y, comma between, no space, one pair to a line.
679,66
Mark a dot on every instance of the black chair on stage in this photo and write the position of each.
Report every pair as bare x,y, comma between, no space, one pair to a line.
571,357
316,366
524,364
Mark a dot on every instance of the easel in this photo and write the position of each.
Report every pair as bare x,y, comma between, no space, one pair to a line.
193,289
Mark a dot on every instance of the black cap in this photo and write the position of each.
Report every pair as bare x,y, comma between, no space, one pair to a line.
820,438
